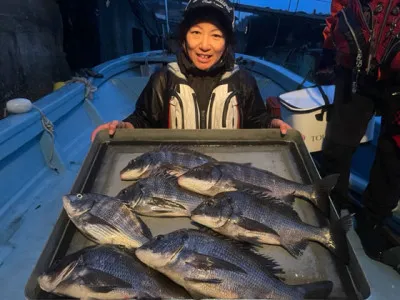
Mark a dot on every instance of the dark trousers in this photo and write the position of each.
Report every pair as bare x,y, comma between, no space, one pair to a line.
349,119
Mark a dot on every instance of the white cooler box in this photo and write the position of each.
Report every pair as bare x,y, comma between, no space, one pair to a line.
302,110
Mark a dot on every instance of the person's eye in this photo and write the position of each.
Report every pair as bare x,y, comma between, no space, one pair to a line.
195,32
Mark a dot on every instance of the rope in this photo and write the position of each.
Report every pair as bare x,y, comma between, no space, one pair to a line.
49,128
89,88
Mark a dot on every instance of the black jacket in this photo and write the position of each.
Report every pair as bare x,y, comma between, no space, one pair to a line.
181,96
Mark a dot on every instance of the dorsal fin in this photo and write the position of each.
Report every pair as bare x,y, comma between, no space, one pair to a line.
183,149
167,168
281,205
163,174
260,193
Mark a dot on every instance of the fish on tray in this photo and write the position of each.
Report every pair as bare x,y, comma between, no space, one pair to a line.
107,272
216,177
242,216
160,196
172,155
106,220
210,266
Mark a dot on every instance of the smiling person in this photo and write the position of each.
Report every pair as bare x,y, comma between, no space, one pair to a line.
204,89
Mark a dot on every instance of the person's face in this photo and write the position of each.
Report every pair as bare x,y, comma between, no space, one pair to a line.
205,44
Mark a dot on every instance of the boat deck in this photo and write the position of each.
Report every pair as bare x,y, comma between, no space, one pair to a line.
30,200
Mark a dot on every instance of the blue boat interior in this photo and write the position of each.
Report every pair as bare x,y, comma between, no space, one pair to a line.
39,161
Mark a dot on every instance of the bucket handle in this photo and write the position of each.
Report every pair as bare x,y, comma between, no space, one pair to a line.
326,108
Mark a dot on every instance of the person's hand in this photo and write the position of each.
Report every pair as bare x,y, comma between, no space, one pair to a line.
112,127
284,127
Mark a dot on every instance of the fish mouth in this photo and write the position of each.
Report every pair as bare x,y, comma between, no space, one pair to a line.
71,210
46,283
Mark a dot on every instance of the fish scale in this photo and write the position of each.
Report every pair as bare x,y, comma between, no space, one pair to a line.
152,160
280,187
216,177
209,266
247,217
160,195
105,219
107,272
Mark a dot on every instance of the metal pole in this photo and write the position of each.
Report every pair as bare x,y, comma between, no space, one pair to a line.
290,2
297,5
166,15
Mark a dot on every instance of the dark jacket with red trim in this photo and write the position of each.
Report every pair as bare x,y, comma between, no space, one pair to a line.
365,35
180,96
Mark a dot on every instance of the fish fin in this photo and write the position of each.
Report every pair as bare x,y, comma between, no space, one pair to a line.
265,195
295,248
163,174
253,225
247,164
205,262
248,249
321,190
289,199
165,205
174,170
102,282
338,244
195,294
244,245
183,149
251,189
268,263
145,229
95,220
205,280
283,208
315,290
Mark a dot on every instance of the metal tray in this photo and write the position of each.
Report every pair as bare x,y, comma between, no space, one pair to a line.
286,156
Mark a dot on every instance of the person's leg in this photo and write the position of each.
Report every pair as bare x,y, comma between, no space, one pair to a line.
348,121
383,191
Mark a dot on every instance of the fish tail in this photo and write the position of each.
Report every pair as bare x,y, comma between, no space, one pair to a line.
336,240
321,190
315,290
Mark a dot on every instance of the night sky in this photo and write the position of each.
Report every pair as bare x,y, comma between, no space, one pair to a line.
322,6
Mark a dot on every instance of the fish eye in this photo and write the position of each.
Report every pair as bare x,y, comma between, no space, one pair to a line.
209,203
159,237
79,196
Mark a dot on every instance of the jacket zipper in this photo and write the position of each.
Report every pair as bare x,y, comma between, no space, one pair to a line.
176,95
371,34
359,58
210,111
394,45
226,108
198,121
382,27
363,16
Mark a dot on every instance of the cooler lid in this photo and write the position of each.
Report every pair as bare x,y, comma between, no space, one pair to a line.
308,98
